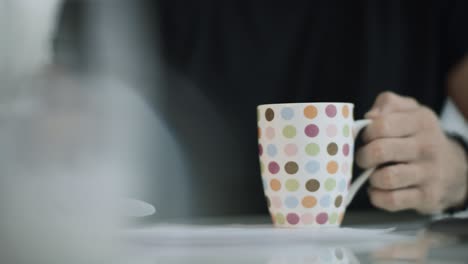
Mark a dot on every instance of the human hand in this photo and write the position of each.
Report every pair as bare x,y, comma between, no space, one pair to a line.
418,166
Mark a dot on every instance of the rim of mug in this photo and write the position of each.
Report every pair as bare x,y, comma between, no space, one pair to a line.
307,103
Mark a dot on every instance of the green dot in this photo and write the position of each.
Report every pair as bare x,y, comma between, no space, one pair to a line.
333,218
279,218
346,131
292,185
330,184
289,131
312,149
262,167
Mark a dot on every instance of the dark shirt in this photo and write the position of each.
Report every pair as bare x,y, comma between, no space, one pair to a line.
221,58
242,53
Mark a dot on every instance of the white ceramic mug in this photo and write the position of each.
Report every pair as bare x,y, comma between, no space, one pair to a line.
306,158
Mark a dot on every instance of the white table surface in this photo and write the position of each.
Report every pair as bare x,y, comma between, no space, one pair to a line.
420,245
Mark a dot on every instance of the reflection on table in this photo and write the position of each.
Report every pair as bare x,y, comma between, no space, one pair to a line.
415,240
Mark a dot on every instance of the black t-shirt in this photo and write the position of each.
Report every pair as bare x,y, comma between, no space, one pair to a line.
241,53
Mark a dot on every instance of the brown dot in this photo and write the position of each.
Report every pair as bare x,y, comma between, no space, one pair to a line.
268,201
259,132
309,201
312,185
269,114
338,200
291,167
332,149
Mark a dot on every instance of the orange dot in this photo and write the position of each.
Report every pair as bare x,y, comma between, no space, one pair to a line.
345,111
275,185
332,167
309,201
310,112
259,131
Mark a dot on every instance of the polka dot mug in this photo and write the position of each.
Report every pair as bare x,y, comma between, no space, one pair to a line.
306,159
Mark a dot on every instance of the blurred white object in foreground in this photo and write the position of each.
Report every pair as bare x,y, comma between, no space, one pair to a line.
66,149
65,169
26,31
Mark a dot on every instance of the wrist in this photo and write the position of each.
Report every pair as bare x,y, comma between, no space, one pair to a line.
462,147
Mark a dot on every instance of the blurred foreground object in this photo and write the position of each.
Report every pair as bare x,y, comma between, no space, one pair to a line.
68,147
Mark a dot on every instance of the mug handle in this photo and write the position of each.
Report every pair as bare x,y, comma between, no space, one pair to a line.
357,184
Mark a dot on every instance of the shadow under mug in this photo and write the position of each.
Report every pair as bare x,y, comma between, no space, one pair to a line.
306,156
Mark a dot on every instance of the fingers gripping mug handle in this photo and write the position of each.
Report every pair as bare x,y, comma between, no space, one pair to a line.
357,184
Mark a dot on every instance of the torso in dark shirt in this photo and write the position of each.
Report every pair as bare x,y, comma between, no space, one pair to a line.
241,53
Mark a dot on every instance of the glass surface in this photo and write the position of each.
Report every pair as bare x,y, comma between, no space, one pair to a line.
443,241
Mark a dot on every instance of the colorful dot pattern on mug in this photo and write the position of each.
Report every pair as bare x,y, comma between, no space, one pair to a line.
271,150
312,149
287,113
305,165
290,150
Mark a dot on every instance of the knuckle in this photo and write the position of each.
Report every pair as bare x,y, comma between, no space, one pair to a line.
377,152
387,97
382,127
412,101
388,178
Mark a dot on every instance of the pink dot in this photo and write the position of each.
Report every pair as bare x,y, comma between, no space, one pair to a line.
260,149
292,218
311,130
332,130
346,149
270,132
345,168
307,219
290,149
273,167
276,202
322,218
331,111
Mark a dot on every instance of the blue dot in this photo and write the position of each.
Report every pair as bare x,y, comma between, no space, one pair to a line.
291,202
342,185
271,150
312,166
325,201
287,113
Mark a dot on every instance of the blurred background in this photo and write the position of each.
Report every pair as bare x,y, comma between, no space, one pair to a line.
202,88
196,163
